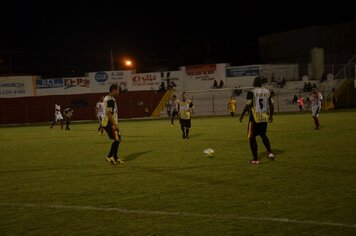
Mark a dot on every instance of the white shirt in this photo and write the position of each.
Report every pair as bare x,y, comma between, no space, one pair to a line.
100,109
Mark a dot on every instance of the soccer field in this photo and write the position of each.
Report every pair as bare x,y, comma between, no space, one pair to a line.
56,182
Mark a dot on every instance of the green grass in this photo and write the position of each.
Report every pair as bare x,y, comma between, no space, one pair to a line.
312,179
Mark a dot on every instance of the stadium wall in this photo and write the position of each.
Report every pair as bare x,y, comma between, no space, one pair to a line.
41,108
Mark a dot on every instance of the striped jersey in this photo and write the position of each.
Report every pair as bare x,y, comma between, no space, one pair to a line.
259,99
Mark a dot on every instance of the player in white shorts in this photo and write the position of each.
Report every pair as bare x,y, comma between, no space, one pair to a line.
99,110
316,99
57,116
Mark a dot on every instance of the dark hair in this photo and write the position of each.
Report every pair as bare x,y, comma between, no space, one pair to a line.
257,82
113,87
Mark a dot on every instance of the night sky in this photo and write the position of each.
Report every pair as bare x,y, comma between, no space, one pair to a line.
71,39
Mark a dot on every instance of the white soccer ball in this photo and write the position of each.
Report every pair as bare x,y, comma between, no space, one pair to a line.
209,152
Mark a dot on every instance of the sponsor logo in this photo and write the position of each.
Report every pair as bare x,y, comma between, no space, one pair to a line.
76,82
101,77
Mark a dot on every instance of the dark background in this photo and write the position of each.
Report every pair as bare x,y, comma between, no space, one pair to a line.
70,38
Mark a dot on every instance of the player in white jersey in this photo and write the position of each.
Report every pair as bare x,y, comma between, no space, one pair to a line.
110,123
174,108
260,105
315,101
57,115
99,111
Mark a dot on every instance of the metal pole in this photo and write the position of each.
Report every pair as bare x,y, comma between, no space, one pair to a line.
213,100
112,60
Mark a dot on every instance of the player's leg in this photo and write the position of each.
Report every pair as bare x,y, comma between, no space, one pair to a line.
117,139
67,123
182,127
53,123
187,128
315,111
253,143
172,117
111,135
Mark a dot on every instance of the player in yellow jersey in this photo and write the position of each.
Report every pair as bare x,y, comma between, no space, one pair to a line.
185,109
232,106
260,105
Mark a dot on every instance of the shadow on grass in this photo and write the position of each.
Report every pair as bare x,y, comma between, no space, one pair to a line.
135,155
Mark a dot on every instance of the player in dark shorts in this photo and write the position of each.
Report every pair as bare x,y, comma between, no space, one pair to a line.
110,123
260,105
185,109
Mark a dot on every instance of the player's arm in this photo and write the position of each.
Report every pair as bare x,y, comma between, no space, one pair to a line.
248,105
271,109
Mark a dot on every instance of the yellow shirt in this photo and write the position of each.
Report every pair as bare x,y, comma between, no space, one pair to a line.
185,109
232,105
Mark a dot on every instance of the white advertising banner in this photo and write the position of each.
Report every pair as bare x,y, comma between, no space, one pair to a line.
203,76
62,86
146,81
17,86
101,81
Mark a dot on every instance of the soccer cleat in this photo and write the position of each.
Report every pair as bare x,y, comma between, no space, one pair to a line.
111,159
270,156
119,161
254,162
187,137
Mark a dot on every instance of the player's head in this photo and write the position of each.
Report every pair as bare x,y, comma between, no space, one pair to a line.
101,99
232,98
184,97
174,97
314,91
113,90
257,82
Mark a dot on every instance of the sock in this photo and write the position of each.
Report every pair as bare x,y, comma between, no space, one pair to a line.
182,128
61,124
172,120
266,142
253,146
111,153
317,122
116,149
67,124
53,124
186,132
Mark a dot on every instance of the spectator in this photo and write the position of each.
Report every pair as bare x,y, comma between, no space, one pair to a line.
272,78
295,99
300,103
215,85
162,87
146,111
237,91
323,77
314,86
221,84
172,85
120,89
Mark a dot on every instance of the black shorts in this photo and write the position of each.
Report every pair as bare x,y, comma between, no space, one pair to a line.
174,113
185,123
254,129
113,134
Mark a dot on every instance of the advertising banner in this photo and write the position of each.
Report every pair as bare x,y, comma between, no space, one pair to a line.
17,86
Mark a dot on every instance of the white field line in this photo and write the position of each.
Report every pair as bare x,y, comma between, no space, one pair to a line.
175,213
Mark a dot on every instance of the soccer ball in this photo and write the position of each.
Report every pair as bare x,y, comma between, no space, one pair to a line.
209,152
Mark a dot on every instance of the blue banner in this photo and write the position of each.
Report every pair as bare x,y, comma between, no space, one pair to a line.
49,83
242,71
